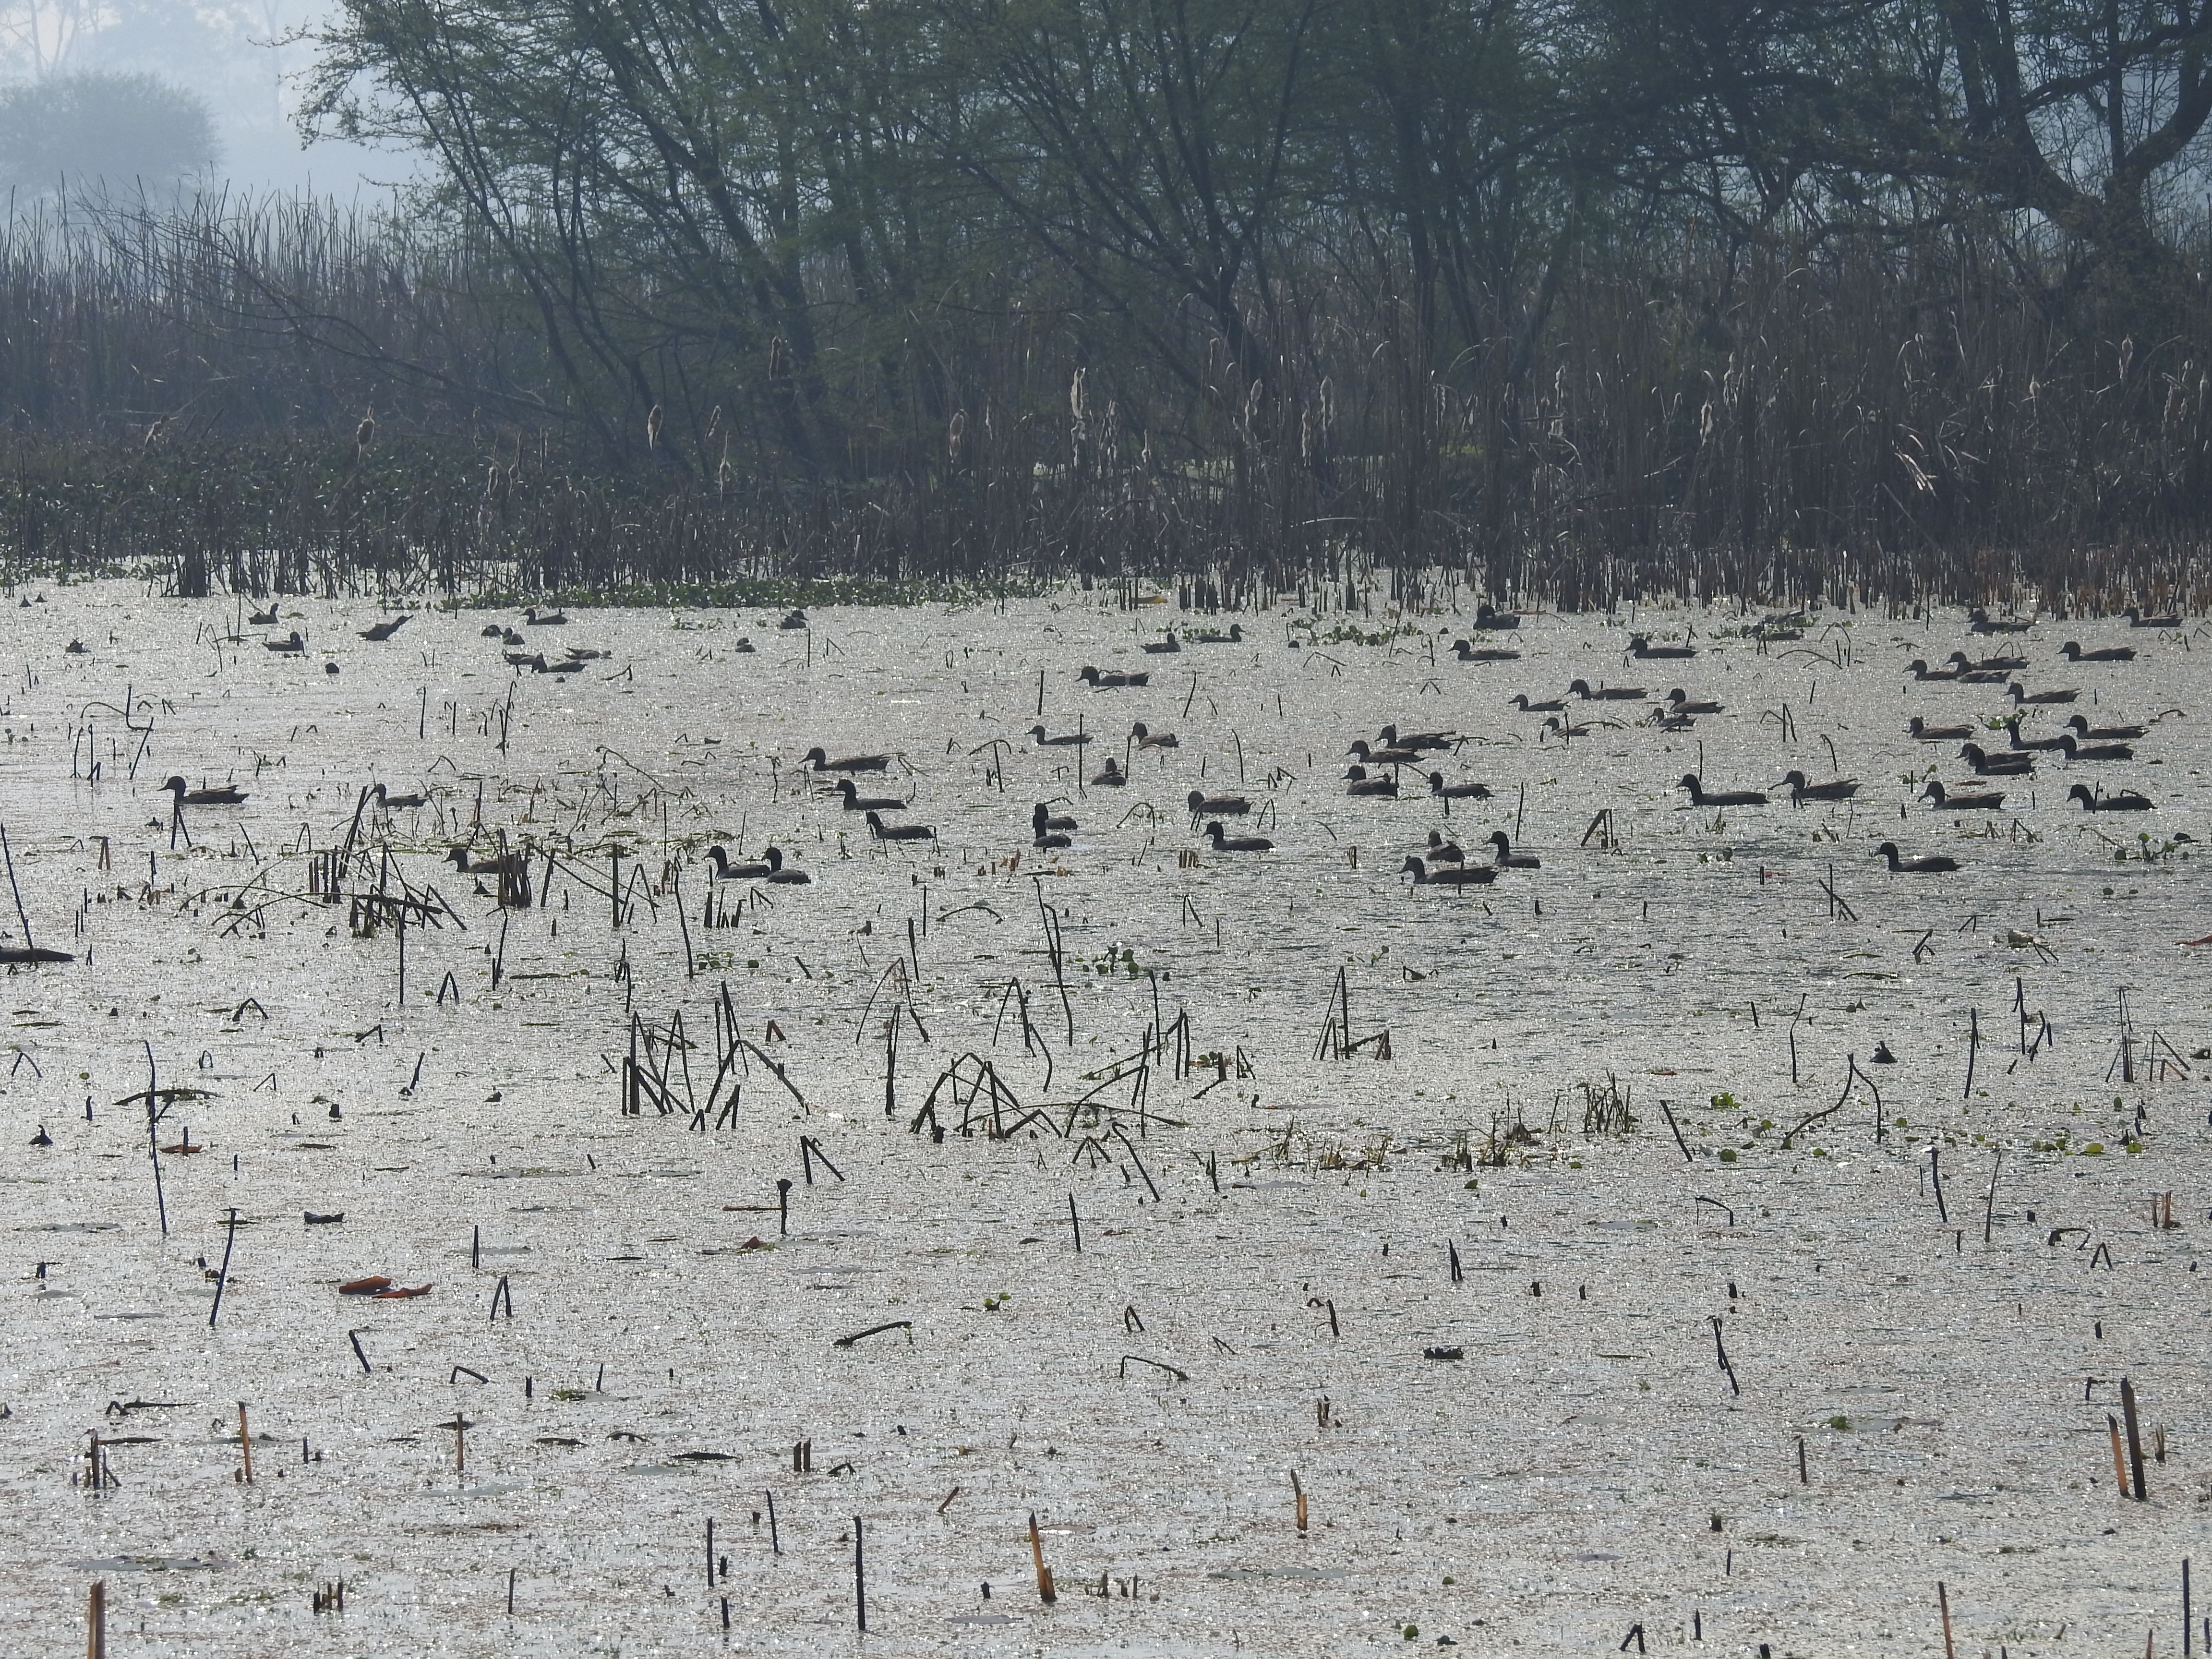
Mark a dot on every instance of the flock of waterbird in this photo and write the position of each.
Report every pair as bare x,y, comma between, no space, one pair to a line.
1377,764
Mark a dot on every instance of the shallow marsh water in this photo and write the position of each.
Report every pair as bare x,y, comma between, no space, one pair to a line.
1558,1483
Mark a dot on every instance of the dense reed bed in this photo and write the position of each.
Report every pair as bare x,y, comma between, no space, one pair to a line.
282,396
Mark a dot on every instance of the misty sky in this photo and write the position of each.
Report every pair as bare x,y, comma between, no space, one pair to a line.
232,53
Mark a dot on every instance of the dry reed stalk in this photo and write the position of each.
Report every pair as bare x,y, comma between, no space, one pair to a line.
1045,1593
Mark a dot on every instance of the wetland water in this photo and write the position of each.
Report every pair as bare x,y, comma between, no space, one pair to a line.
1267,1243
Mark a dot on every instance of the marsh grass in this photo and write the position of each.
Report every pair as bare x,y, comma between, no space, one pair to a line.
279,396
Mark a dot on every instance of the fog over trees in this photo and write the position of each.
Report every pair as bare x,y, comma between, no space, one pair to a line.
234,61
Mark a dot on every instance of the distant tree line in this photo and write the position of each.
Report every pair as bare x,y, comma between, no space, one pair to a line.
114,127
1585,295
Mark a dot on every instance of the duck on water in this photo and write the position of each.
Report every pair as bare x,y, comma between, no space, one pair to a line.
1608,693
899,831
1507,859
1396,756
1224,843
2009,764
820,761
2126,801
1107,682
1472,875
1466,652
1361,784
1987,800
856,802
1439,790
1934,865
1700,796
769,868
217,795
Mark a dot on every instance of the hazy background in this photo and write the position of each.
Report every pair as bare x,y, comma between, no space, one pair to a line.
164,91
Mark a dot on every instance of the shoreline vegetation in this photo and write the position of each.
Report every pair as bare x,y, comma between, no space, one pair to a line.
1564,306
300,517
295,518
